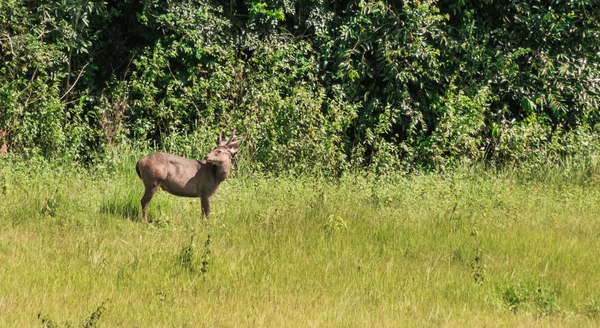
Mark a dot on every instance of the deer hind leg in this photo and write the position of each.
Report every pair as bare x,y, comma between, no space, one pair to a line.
150,192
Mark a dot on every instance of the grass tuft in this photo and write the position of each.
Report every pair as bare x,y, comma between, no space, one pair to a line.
127,206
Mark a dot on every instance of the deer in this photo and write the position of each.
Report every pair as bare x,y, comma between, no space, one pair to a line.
186,177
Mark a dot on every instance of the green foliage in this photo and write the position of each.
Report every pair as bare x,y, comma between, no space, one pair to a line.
43,108
323,87
460,136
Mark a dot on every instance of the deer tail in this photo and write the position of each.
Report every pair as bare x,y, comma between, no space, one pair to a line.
137,169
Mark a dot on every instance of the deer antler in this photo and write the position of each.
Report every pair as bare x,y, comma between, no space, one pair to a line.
221,138
232,136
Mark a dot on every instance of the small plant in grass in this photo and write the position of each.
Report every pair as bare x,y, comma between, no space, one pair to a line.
187,258
592,308
47,322
187,255
51,205
335,223
529,296
206,256
4,188
161,221
477,265
90,322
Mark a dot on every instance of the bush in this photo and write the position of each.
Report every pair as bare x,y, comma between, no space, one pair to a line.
323,87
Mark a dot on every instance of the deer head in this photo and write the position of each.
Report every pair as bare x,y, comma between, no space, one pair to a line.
221,155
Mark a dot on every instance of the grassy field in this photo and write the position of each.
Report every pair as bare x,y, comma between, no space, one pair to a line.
463,249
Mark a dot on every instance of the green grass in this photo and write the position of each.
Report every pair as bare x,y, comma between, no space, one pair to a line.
464,249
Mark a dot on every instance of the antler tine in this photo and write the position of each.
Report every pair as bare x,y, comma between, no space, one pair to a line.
232,136
221,137
244,136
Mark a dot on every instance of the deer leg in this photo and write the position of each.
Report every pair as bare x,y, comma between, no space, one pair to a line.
205,207
150,191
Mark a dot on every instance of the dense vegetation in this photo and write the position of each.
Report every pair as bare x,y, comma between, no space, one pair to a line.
322,85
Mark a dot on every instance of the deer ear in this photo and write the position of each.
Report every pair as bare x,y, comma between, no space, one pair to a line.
233,147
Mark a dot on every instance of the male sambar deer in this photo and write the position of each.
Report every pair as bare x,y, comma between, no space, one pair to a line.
185,177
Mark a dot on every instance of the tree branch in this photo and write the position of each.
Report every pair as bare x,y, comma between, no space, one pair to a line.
74,83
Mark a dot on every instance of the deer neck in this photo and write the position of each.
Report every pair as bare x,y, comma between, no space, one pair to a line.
220,171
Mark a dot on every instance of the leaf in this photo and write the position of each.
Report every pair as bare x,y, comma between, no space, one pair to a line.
527,104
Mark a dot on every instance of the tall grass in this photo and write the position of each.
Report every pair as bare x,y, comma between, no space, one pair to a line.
468,248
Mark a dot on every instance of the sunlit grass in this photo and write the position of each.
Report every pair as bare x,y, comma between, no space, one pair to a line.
463,249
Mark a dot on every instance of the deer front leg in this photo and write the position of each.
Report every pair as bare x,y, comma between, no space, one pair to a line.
205,206
150,191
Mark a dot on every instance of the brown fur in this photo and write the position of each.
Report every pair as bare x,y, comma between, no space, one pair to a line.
185,177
